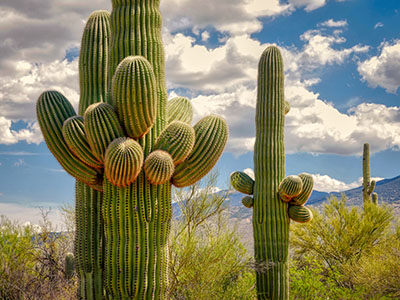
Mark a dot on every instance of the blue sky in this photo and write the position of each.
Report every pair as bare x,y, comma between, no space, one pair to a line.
342,67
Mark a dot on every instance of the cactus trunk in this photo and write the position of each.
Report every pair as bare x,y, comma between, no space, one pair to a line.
368,184
270,214
89,239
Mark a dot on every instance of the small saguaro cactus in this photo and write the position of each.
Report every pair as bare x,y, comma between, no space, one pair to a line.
276,199
368,184
126,149
69,267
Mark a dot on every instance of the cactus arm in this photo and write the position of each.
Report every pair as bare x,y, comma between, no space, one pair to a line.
287,107
375,198
74,135
290,187
134,95
179,109
159,167
52,110
211,137
93,60
248,201
102,127
177,139
242,182
307,188
300,214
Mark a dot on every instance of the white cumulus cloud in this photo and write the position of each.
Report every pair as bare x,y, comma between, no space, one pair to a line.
384,69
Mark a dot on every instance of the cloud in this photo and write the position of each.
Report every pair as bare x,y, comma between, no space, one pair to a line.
231,16
332,23
308,5
31,215
379,24
324,183
31,134
383,70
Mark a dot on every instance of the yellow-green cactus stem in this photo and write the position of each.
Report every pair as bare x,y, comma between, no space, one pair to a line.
74,135
89,235
89,239
159,167
178,140
308,184
248,201
52,110
134,94
300,214
368,184
179,109
93,60
290,187
123,161
375,198
102,127
211,137
242,182
69,268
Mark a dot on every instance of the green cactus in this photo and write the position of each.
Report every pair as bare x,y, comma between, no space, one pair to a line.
122,227
242,182
273,194
368,184
69,267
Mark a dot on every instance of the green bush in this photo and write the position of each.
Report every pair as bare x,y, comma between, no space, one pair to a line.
346,253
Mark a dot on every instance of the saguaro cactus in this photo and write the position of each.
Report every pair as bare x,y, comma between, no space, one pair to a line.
368,184
125,158
276,199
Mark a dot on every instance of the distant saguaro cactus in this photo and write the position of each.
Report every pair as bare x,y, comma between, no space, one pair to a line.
275,198
123,154
368,184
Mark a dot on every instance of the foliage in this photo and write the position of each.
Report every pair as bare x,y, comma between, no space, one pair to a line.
343,250
32,262
208,260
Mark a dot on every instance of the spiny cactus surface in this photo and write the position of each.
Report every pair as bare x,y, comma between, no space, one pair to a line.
275,198
120,149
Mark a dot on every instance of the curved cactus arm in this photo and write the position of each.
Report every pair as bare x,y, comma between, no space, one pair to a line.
211,137
179,109
101,127
307,188
242,182
375,198
248,201
123,161
371,186
93,60
177,139
159,167
287,107
74,135
300,214
290,187
134,94
52,110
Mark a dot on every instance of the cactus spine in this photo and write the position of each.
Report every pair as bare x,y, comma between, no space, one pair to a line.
273,194
368,184
122,248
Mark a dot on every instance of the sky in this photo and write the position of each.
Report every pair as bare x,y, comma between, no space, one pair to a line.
342,78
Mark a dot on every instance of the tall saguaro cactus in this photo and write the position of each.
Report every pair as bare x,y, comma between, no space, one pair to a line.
368,184
276,199
124,155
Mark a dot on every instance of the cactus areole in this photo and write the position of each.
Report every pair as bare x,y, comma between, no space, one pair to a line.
123,155
273,194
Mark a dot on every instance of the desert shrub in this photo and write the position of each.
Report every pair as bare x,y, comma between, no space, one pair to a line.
32,262
338,245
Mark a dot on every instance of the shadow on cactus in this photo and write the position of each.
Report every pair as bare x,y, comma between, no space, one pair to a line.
274,198
125,152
